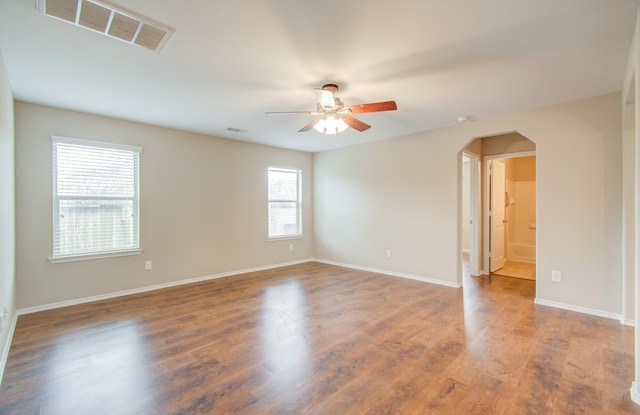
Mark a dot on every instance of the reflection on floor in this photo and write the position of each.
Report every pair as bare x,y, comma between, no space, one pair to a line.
518,270
513,269
313,339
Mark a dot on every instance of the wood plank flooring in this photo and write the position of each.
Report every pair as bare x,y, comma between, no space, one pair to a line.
320,339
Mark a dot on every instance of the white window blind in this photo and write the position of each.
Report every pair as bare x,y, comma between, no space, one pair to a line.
95,198
285,202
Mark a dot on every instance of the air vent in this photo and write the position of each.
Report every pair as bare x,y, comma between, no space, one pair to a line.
109,19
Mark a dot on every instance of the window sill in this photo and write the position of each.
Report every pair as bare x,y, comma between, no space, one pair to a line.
86,257
280,238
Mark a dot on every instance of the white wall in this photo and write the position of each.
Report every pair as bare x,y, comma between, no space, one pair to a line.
202,199
401,194
7,211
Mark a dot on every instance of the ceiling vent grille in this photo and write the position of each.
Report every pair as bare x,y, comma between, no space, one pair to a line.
109,19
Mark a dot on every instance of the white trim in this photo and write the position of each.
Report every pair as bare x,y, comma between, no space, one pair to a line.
511,155
475,198
127,158
94,143
485,178
91,299
68,303
7,345
85,257
391,273
635,395
282,238
298,202
627,322
578,309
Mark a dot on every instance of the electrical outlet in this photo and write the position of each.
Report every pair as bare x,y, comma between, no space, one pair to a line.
556,276
388,253
290,247
148,265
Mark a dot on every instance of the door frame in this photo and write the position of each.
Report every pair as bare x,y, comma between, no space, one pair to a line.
496,218
485,176
475,168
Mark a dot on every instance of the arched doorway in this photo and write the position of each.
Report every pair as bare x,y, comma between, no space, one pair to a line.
504,221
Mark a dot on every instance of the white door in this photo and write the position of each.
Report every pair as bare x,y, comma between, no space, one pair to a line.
496,212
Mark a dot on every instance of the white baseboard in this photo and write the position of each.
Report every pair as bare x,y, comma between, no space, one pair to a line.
153,287
391,273
635,395
578,309
5,352
627,322
7,345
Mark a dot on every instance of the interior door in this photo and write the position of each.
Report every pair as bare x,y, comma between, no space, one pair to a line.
496,212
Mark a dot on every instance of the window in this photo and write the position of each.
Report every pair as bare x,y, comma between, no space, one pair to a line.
95,199
285,202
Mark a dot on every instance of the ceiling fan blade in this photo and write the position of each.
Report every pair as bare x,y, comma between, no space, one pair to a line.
291,112
355,124
309,126
325,98
374,107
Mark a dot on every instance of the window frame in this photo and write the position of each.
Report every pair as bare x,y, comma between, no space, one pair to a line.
298,202
79,256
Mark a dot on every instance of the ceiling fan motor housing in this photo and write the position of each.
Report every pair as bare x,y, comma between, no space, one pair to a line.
330,87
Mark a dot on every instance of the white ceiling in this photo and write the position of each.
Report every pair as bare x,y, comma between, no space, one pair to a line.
230,61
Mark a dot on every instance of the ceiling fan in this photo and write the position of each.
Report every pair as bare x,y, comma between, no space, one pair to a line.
334,117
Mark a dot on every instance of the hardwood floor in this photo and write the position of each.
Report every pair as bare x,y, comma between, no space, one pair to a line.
319,339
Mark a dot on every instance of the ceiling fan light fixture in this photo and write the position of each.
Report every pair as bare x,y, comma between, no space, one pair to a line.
335,116
331,124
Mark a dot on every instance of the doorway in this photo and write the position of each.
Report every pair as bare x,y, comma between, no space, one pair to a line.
470,211
504,240
512,215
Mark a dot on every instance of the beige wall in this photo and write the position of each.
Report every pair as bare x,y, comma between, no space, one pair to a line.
7,210
522,169
506,144
202,201
401,194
